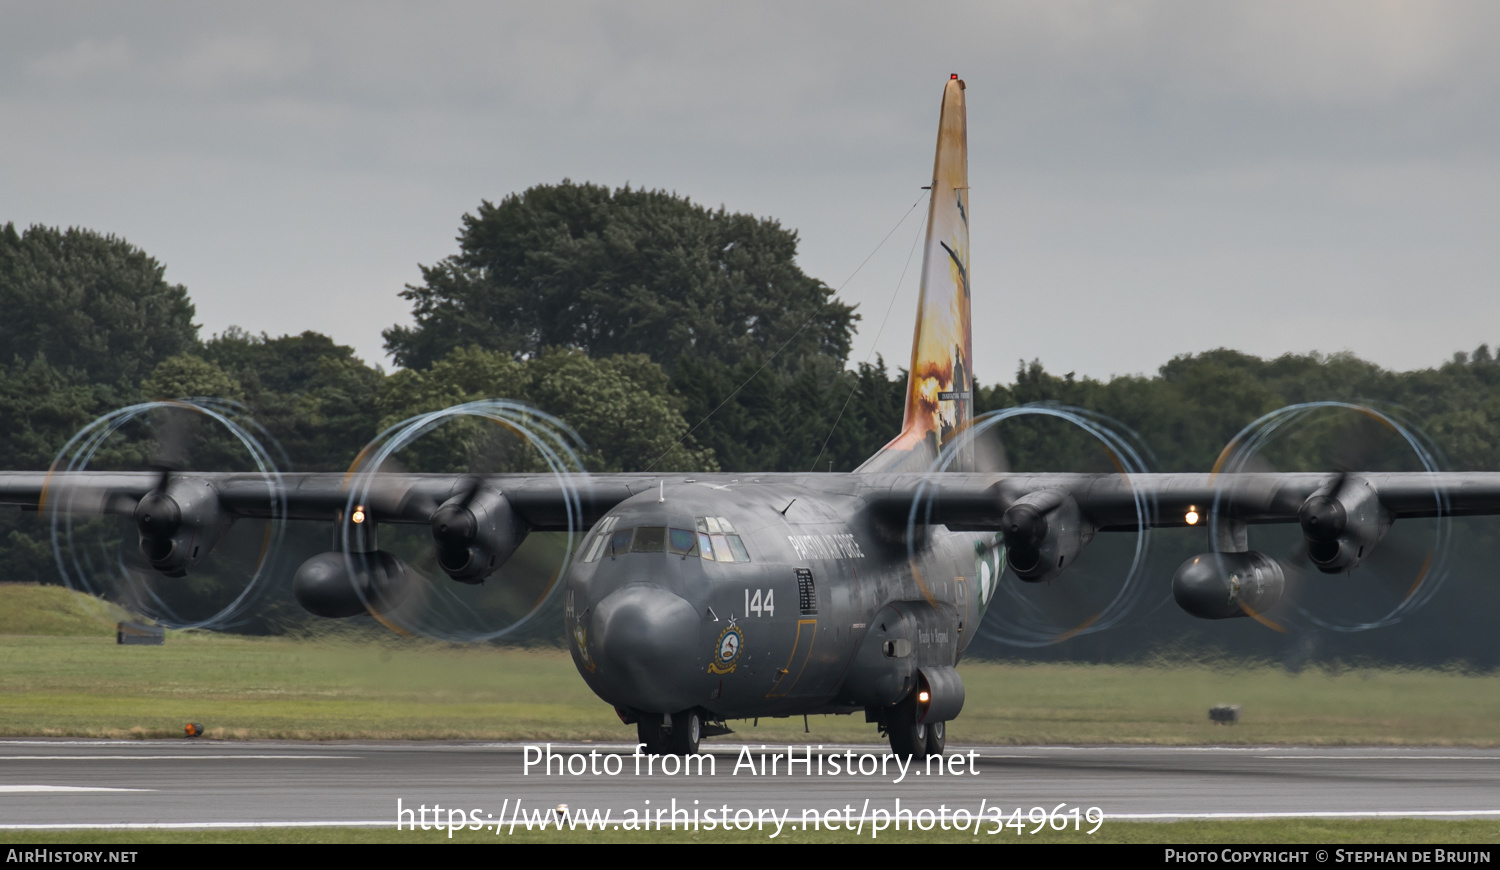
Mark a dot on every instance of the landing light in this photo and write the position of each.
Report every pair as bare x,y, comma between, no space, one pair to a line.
923,697
1192,515
358,515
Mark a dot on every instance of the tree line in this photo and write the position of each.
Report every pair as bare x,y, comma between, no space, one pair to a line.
669,337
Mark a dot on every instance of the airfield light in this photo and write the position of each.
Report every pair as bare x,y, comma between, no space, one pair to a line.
1192,515
359,515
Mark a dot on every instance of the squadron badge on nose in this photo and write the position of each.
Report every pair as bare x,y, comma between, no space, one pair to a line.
731,639
581,637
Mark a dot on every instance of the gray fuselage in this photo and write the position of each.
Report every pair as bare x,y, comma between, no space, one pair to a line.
818,607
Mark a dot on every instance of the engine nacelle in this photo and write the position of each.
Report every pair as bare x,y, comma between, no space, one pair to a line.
179,524
1043,531
476,533
337,585
1342,524
1228,585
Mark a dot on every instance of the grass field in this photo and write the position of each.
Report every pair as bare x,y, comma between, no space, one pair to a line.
53,610
330,689
63,675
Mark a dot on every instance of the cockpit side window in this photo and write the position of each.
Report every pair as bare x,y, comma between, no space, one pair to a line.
597,546
717,541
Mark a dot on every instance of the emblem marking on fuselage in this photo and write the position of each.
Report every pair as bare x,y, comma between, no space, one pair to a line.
727,651
581,637
989,563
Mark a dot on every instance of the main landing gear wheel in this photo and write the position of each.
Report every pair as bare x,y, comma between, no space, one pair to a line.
908,736
648,730
687,731
937,738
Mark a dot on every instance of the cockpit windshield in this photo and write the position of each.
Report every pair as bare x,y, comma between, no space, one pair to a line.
712,539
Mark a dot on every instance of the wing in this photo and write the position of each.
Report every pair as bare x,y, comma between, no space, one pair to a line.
960,501
1046,519
543,502
1117,502
177,514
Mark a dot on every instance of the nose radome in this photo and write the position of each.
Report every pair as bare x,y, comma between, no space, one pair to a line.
647,639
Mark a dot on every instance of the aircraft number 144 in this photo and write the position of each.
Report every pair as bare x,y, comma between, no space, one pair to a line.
760,605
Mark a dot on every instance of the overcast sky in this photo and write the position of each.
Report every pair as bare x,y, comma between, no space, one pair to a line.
1149,178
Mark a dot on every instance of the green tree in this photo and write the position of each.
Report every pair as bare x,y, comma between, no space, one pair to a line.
83,318
620,406
313,395
188,376
623,409
40,408
873,402
95,306
620,272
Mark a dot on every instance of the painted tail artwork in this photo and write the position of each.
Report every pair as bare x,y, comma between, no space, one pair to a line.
940,389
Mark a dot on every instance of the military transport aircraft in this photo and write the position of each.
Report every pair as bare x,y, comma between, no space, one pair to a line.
693,600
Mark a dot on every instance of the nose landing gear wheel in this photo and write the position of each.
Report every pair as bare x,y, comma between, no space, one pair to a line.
687,731
937,737
908,736
648,730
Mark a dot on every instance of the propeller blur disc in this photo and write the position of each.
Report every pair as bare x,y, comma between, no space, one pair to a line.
472,440
1341,440
97,532
1107,584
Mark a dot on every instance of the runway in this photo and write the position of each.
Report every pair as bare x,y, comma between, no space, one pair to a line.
74,783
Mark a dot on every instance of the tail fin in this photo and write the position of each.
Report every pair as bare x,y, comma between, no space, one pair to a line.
940,388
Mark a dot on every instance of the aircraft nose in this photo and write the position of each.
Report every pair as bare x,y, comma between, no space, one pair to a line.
647,639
